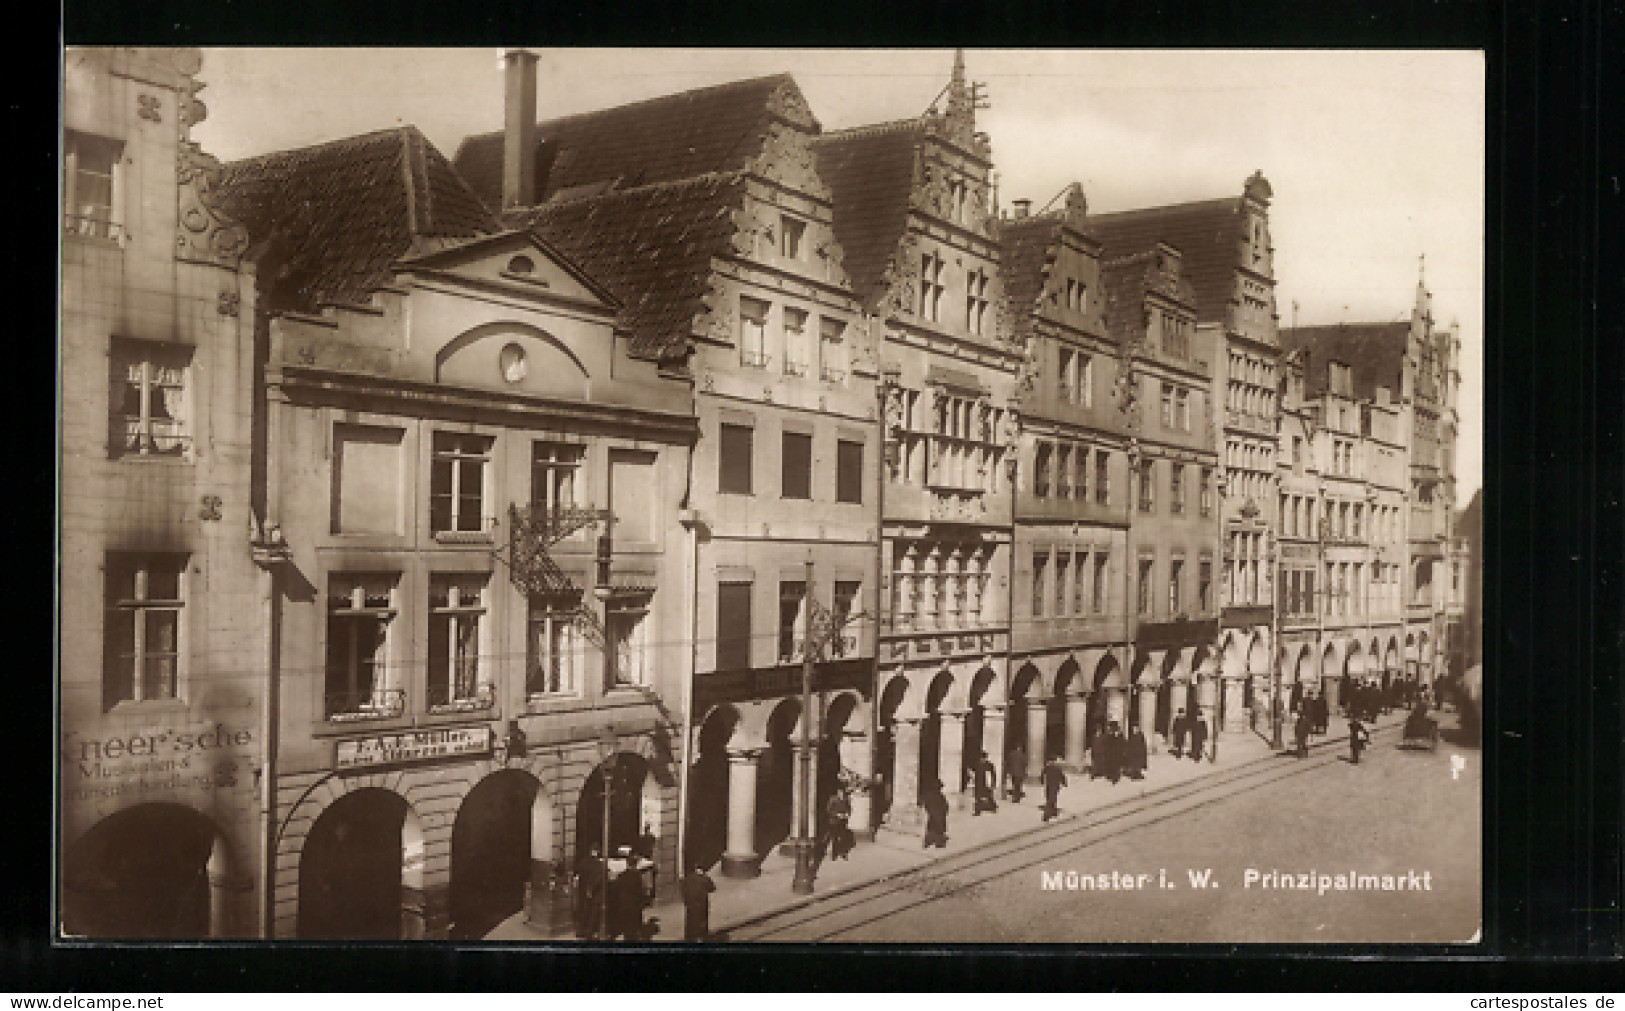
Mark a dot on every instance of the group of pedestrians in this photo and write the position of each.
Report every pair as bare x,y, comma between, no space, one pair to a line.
1187,728
610,894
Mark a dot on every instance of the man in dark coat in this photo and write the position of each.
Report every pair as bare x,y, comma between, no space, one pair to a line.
1358,739
1176,737
1104,755
1301,733
936,818
987,778
589,893
1015,770
1198,731
696,887
837,836
1054,779
1137,757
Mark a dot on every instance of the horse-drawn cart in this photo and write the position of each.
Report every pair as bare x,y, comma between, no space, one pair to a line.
1421,731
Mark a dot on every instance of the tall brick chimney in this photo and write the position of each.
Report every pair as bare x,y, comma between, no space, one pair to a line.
519,129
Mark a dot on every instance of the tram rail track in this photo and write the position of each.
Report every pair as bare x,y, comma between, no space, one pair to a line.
961,874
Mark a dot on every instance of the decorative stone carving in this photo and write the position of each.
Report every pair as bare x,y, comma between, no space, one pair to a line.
787,158
204,232
228,303
147,107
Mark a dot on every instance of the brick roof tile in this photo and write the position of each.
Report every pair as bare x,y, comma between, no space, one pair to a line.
1374,353
1209,235
870,174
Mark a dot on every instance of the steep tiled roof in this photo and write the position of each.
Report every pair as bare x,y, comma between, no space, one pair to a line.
1374,353
870,173
1126,281
1208,235
652,248
1027,246
692,133
343,212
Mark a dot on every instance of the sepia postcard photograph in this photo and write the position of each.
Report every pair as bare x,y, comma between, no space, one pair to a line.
555,497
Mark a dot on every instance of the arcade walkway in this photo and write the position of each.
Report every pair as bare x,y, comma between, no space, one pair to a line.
739,901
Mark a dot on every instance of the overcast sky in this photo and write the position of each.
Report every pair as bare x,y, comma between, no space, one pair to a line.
1376,158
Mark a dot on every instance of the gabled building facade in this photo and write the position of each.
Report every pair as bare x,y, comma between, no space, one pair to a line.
1070,639
705,213
162,705
474,490
1228,257
913,216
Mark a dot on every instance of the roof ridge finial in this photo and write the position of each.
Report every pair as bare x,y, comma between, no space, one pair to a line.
1421,270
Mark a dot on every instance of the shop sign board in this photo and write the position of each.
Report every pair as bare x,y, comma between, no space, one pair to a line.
411,746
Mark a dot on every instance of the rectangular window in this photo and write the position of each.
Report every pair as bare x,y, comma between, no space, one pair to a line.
1063,581
1167,406
554,470
792,596
1182,410
976,301
930,287
149,399
366,480
1206,491
791,234
1040,582
1176,570
457,483
1097,598
796,352
1102,475
734,459
552,651
1086,379
632,495
843,609
89,164
1204,586
1065,376
733,626
1063,471
358,683
848,471
752,332
797,478
625,627
1146,569
1080,588
1080,473
456,605
141,641
1041,469
1176,487
832,360
1148,479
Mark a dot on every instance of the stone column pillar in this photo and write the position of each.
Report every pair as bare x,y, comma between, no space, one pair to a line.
739,858
1037,734
993,738
1234,694
905,799
1077,727
1148,717
1117,706
951,759
857,754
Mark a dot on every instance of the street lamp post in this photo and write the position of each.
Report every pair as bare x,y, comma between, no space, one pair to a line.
802,884
608,747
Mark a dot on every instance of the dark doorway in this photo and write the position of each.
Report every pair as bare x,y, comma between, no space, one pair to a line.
350,871
708,792
140,873
490,853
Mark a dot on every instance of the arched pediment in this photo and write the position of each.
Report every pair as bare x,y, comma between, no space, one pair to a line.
513,357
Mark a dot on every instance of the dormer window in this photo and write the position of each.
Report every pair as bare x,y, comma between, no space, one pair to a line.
522,265
791,235
957,192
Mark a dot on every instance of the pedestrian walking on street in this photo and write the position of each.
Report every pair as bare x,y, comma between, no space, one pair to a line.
1015,769
1054,779
936,818
837,836
1177,739
697,887
1137,756
589,892
1301,733
1198,729
1359,737
987,778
